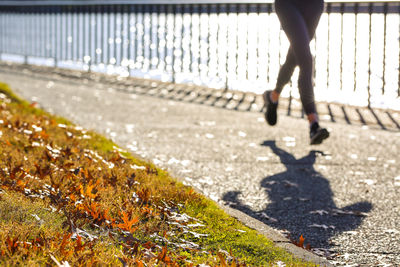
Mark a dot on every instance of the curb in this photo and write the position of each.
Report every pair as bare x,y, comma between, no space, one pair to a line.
278,239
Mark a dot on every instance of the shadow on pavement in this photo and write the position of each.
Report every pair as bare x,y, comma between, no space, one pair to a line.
301,202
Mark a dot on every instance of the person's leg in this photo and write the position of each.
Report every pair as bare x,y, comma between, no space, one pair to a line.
295,27
284,9
311,12
284,75
299,20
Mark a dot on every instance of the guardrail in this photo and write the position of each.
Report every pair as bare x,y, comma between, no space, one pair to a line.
223,44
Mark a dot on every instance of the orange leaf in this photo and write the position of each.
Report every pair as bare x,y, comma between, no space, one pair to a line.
94,210
162,254
44,135
127,223
79,245
72,197
75,150
80,188
12,244
222,259
301,241
64,242
33,104
21,184
89,193
148,245
107,217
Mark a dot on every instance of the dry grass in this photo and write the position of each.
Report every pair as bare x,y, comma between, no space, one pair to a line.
69,196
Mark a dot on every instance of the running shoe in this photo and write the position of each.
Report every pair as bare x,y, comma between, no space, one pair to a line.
317,134
270,108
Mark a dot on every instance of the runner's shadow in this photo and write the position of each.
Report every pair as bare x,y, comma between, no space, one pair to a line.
301,202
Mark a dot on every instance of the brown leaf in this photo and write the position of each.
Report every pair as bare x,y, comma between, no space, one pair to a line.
222,259
127,223
12,244
299,243
144,195
21,184
164,257
33,105
162,254
79,245
42,172
44,135
66,237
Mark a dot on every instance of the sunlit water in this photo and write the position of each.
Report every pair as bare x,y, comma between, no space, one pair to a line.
236,50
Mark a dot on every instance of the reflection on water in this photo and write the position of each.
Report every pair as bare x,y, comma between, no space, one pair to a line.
239,50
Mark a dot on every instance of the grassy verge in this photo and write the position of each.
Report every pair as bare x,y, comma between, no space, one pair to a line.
71,196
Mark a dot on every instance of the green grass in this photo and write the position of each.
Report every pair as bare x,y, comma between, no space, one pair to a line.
71,195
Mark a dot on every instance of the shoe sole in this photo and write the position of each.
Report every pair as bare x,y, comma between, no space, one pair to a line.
321,136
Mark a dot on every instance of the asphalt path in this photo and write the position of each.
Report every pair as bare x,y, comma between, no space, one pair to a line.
342,196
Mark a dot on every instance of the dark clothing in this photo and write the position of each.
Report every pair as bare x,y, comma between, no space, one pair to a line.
299,19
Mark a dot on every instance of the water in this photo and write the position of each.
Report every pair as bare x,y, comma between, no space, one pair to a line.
240,51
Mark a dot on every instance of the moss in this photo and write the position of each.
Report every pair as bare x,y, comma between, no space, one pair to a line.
31,214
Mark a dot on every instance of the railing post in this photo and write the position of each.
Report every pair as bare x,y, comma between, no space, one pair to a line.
56,34
89,45
182,39
109,40
398,65
355,46
24,35
328,10
269,11
341,45
369,53
385,10
172,10
79,34
1,34
96,47
146,40
120,38
70,34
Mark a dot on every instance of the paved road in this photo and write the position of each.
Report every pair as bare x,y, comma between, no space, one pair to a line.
342,196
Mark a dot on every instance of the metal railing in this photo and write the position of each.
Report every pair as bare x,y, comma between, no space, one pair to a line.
223,44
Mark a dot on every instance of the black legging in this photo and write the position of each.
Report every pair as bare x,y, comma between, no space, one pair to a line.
299,19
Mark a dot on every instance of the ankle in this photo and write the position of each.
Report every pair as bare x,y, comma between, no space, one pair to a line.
312,118
274,97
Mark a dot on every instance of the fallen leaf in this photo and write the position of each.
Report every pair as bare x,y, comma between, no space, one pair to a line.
320,212
325,227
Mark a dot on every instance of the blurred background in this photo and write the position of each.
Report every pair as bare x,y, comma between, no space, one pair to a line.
228,45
